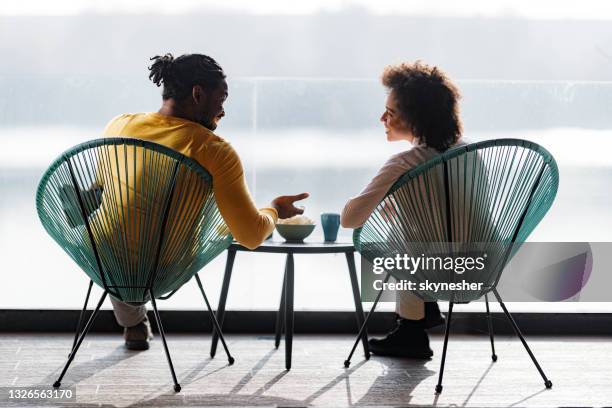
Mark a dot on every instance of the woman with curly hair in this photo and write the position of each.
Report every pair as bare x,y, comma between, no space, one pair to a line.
421,109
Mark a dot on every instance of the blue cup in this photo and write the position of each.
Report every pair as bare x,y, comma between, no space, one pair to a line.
330,223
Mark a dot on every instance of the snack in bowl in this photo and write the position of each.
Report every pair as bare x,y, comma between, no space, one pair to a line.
296,228
296,220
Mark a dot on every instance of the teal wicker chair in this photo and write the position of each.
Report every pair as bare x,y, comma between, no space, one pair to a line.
487,196
139,218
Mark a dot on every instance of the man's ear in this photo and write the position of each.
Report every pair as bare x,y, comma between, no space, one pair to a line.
198,94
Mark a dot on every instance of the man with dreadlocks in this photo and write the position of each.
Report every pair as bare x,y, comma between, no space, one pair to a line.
194,90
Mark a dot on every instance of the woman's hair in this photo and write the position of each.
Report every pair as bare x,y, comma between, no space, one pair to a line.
180,75
427,102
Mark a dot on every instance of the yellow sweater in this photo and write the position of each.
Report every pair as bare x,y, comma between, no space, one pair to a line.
249,226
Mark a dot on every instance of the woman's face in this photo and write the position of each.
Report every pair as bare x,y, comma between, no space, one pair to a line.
395,127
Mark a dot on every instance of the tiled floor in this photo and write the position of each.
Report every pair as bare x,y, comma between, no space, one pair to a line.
107,375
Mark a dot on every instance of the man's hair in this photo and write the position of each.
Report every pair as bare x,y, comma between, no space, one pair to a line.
427,102
180,75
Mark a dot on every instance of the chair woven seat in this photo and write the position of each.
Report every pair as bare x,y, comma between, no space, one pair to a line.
482,198
139,218
485,198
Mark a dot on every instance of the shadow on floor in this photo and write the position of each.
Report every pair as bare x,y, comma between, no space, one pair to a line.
395,385
399,379
82,371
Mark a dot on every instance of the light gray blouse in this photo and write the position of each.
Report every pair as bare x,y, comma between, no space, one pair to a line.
358,209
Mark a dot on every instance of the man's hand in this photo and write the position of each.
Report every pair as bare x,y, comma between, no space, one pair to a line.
284,205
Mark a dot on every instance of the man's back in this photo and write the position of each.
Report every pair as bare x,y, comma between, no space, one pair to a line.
182,135
194,90
248,224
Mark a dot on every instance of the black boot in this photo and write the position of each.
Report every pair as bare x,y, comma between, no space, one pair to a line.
138,337
408,339
433,317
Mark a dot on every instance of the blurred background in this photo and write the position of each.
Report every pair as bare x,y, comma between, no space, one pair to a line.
303,113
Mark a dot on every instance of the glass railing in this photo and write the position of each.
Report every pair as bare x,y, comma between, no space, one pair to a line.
317,135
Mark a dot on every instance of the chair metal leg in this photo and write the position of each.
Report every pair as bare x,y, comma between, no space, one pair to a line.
350,260
490,323
280,315
289,311
216,326
362,329
547,382
446,333
82,316
57,383
229,265
177,386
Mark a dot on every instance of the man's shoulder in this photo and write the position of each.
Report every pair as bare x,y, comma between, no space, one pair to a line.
120,117
155,124
115,126
127,117
216,145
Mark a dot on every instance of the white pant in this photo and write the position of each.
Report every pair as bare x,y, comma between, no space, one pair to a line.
408,305
128,315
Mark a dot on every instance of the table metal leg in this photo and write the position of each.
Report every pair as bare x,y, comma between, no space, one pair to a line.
229,265
280,315
350,260
289,311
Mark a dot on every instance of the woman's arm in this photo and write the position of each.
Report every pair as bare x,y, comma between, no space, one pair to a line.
358,209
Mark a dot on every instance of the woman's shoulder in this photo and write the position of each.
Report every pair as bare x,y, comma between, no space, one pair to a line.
414,156
419,152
